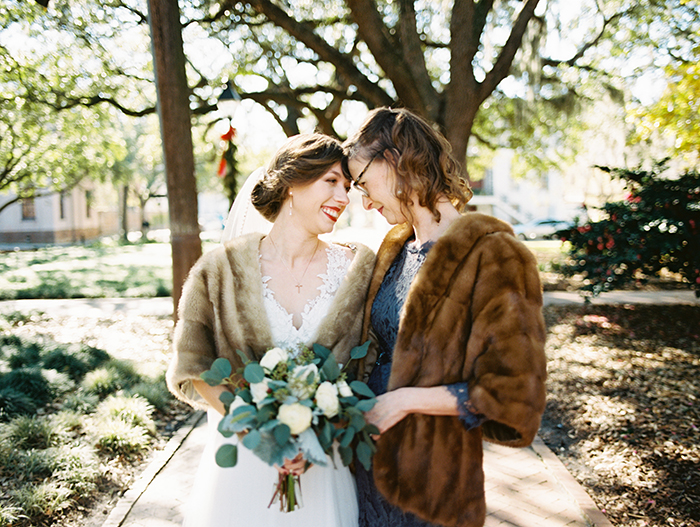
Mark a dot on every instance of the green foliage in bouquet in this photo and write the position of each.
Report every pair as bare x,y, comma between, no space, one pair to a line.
290,404
657,227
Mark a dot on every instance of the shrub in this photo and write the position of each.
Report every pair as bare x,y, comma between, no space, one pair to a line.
9,515
59,383
154,391
657,227
28,432
81,401
77,468
45,499
29,381
101,381
116,437
135,411
19,353
113,376
14,403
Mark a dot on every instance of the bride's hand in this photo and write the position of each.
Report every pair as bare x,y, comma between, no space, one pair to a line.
296,466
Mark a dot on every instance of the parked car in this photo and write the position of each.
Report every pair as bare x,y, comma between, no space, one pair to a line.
545,228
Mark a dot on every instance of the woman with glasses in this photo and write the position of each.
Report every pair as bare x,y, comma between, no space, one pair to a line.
454,309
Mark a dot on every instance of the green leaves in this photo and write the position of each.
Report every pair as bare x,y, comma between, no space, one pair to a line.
220,370
253,373
258,397
227,456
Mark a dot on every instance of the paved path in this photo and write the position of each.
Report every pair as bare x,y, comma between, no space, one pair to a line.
527,487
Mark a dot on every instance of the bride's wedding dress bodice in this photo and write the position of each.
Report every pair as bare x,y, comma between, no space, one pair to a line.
284,334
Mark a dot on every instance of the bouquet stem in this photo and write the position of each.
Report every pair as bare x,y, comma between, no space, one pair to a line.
287,493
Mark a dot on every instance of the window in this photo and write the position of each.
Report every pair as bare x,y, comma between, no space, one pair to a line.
62,205
28,209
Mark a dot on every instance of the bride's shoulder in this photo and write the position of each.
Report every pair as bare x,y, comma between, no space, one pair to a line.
352,251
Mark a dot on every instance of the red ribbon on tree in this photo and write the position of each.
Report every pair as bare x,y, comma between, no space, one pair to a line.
228,137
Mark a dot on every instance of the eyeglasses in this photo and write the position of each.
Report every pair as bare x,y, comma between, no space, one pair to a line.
356,182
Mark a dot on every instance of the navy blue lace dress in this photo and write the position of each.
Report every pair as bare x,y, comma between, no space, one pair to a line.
375,511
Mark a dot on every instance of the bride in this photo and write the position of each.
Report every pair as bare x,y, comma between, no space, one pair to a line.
259,291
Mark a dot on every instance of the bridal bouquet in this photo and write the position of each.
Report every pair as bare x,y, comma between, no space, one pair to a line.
291,403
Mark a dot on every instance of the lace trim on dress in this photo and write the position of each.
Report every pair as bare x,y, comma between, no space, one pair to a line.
284,333
467,413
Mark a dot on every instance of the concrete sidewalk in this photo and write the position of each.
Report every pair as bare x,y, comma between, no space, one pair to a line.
104,307
527,487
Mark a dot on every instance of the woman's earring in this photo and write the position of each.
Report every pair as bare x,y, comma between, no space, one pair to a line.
290,202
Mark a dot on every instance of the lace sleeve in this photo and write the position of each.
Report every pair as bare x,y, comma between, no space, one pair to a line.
470,419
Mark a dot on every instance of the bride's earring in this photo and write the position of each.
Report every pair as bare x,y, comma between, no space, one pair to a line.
290,202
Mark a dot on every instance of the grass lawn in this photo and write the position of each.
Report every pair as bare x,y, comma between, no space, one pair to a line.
101,270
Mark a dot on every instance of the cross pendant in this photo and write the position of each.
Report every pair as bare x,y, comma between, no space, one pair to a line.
298,286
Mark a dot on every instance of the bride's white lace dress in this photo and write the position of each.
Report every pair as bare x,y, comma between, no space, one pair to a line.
238,496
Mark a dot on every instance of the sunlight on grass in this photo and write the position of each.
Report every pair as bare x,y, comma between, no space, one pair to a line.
87,272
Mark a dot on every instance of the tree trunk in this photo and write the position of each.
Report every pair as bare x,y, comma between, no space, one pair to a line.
176,133
125,213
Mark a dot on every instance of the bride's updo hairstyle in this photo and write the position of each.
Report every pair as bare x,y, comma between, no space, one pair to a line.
302,160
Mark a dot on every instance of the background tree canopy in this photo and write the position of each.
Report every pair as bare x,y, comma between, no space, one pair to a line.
490,74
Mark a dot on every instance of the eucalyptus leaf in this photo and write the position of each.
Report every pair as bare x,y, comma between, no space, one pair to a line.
361,388
348,436
265,413
252,440
365,405
364,455
222,366
245,395
243,356
273,453
357,421
253,373
321,351
348,401
269,426
227,456
281,433
345,454
330,369
359,352
226,398
371,429
326,435
311,448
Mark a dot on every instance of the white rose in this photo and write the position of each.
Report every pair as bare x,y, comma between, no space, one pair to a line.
303,381
259,391
273,357
327,399
343,389
296,416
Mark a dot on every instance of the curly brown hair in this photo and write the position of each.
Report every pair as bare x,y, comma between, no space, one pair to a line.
300,161
420,156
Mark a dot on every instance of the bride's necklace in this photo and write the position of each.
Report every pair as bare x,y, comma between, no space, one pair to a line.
298,284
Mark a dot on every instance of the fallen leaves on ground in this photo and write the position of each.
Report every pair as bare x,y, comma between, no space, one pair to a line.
623,410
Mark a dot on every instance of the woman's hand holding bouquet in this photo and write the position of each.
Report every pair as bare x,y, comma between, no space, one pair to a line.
292,404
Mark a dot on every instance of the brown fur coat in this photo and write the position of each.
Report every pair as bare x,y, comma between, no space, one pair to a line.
221,310
473,313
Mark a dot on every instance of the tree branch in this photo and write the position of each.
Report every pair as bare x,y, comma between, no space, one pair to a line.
501,68
373,31
326,52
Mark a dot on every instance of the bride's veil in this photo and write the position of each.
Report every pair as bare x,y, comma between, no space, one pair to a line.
243,218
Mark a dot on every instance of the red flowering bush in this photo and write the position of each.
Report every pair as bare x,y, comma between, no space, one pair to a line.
656,227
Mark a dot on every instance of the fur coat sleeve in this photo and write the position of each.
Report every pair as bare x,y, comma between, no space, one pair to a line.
221,310
473,313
